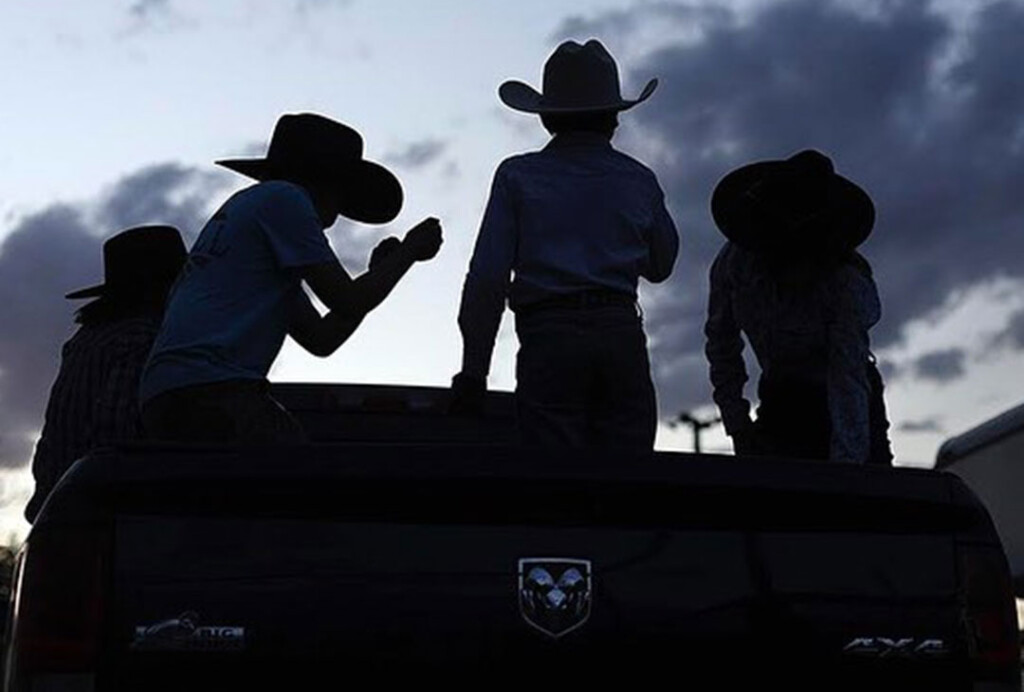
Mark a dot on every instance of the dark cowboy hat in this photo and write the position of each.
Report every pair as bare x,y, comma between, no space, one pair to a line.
307,146
138,260
577,79
799,203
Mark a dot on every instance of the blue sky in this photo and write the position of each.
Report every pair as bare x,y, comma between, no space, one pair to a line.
113,113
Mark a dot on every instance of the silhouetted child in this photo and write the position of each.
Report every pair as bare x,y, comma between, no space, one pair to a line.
241,294
791,281
94,400
567,233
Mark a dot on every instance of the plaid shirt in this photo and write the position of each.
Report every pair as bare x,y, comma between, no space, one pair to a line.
94,399
819,335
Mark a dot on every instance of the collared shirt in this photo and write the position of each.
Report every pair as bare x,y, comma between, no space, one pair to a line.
228,313
93,401
575,216
818,334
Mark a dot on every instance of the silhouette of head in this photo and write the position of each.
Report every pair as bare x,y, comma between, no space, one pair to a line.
326,157
793,207
139,265
601,123
577,79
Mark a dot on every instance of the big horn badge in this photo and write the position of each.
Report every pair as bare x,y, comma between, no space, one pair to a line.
555,593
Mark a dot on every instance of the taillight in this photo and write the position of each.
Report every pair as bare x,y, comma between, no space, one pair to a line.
58,605
990,614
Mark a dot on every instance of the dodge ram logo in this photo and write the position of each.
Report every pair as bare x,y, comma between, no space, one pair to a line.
554,593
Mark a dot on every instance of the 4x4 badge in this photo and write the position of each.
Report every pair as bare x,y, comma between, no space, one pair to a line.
555,593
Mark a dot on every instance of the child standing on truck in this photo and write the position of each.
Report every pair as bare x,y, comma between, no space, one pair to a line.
789,279
240,292
577,223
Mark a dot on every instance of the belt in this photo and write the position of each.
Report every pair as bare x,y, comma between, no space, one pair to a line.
581,300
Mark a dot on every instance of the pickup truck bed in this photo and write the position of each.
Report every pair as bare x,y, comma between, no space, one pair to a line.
478,564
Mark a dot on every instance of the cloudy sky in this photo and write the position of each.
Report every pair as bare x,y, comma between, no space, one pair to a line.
113,112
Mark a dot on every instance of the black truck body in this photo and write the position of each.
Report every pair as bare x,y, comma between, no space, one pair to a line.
443,555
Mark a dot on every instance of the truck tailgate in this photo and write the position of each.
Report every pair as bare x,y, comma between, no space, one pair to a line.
454,563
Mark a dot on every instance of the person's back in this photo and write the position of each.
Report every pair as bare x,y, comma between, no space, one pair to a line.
582,210
791,282
577,224
241,291
93,401
228,316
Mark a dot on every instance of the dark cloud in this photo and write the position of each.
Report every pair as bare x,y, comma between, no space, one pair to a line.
145,10
417,154
156,15
163,193
927,425
1013,335
617,22
927,117
304,6
941,366
57,250
889,370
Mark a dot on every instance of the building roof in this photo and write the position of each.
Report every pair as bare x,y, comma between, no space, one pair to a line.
991,431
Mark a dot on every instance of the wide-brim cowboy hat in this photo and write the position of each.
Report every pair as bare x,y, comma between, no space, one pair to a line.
577,79
307,146
139,260
793,204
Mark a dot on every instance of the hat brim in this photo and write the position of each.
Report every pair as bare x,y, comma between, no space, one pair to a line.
367,192
523,97
91,292
849,210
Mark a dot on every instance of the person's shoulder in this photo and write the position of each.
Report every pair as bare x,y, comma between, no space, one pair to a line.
510,165
855,271
854,287
270,197
280,191
112,338
132,330
633,165
730,261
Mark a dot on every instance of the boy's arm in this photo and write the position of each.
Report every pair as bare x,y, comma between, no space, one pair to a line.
355,298
320,335
663,242
724,351
487,282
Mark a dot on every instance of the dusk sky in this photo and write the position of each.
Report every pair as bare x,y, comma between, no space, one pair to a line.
113,113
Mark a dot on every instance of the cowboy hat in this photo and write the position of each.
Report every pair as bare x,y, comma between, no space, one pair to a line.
792,204
308,146
577,79
138,260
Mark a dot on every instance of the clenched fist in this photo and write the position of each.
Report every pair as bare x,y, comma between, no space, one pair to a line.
424,239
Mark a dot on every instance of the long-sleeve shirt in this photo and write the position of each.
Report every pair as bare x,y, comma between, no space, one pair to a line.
815,334
576,216
93,401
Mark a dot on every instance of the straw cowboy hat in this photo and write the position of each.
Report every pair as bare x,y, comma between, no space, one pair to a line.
138,260
793,204
308,146
577,79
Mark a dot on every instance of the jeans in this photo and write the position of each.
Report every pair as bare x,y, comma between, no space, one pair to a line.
230,412
583,378
793,420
